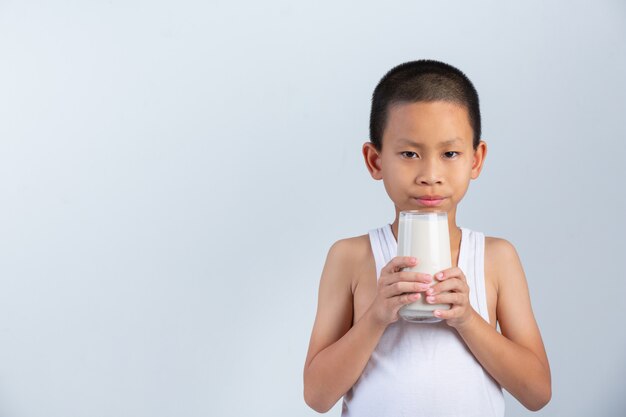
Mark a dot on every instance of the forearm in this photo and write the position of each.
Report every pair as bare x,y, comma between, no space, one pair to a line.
335,369
514,367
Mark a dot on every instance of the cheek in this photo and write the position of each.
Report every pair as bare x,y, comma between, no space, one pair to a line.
465,171
395,182
394,173
462,178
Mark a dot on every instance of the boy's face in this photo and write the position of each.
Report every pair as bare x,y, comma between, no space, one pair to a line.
427,158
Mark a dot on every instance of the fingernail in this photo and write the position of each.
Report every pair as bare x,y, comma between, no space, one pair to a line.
439,275
413,260
430,299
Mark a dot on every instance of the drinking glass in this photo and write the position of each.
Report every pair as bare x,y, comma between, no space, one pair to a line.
424,235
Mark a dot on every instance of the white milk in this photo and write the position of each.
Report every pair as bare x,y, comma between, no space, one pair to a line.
425,236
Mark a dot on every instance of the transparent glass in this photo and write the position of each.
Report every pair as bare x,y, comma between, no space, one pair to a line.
424,235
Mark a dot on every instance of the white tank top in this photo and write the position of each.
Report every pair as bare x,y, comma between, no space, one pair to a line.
420,369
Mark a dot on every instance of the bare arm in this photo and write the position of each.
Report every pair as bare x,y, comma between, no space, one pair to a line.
335,369
337,352
516,358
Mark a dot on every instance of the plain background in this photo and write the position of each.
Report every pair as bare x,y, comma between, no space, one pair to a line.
173,173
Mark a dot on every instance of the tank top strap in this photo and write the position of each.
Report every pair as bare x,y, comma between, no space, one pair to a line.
472,263
384,246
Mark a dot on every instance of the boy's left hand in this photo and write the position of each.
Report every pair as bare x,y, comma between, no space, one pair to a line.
452,289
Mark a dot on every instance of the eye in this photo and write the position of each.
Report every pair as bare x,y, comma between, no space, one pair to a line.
451,154
408,154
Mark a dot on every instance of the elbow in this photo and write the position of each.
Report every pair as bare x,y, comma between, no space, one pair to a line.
315,402
537,390
314,398
540,399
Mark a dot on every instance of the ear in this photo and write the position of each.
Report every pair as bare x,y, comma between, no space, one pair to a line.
373,160
479,158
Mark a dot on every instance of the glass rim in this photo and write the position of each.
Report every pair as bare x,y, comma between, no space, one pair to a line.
423,213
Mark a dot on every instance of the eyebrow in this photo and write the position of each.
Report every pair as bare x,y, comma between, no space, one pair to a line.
404,141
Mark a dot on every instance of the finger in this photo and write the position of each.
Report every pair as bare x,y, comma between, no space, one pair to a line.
454,284
446,314
407,298
398,263
450,273
410,276
402,287
453,298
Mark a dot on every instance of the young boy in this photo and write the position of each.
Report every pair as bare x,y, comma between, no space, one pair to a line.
425,145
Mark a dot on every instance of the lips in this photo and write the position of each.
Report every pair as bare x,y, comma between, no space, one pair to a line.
430,200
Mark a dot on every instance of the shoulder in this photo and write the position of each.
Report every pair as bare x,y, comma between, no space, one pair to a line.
501,259
503,265
499,249
350,255
350,247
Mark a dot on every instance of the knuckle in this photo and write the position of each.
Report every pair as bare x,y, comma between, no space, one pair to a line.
380,290
400,300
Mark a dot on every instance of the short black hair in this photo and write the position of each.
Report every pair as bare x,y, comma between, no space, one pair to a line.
423,80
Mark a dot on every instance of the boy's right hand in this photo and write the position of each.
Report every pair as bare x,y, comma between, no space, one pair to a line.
397,288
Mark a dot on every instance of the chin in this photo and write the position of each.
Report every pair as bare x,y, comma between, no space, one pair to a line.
417,206
424,208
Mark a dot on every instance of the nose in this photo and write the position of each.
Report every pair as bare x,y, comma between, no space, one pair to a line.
429,173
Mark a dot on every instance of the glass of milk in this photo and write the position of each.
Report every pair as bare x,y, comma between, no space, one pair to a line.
424,235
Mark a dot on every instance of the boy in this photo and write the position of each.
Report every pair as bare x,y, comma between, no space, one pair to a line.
425,145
